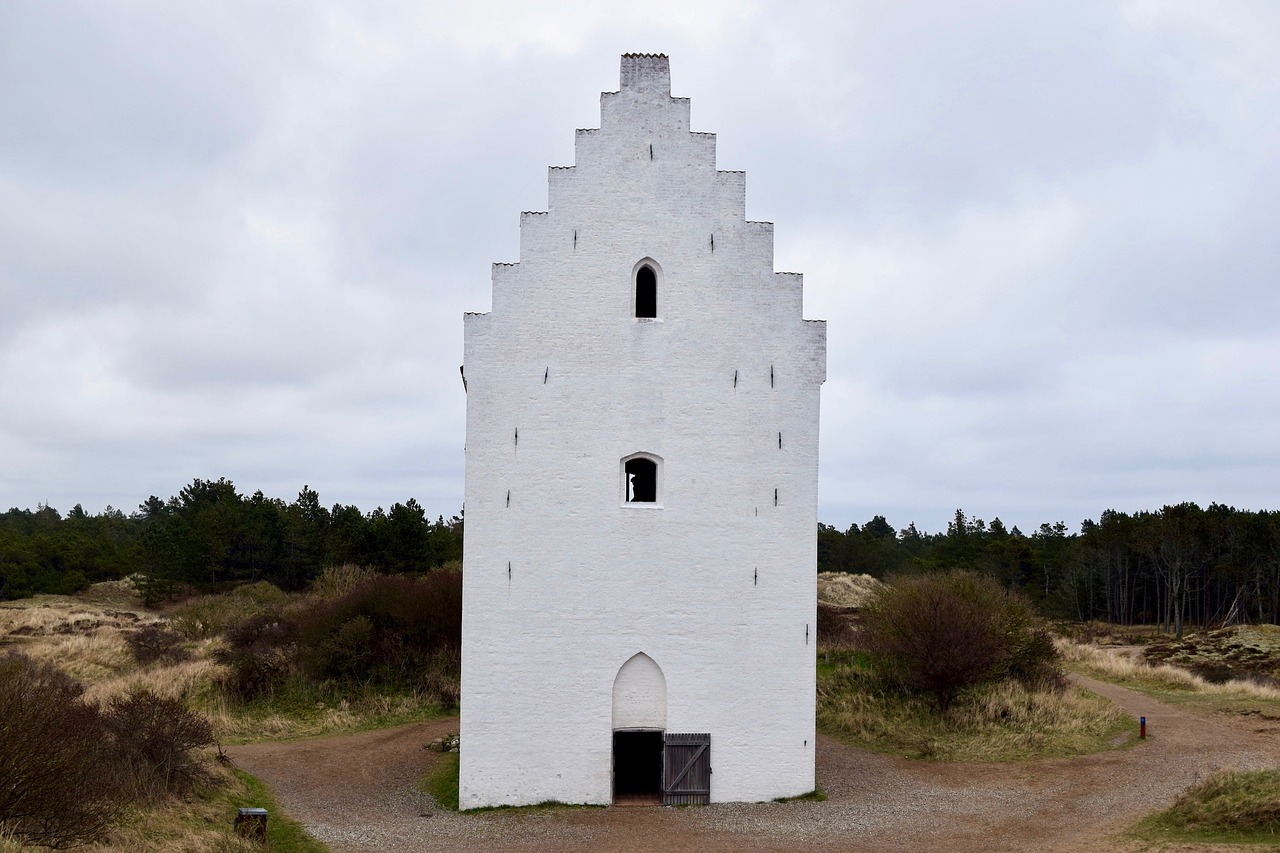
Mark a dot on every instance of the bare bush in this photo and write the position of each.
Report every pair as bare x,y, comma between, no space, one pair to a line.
156,642
56,788
387,629
154,742
835,626
941,633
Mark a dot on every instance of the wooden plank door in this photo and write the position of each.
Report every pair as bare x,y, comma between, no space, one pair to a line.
686,769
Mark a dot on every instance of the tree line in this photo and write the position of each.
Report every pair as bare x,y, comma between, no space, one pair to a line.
210,536
1179,564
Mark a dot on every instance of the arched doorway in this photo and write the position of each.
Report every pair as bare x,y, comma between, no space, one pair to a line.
639,719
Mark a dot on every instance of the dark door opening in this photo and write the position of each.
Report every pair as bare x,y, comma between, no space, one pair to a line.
646,292
637,767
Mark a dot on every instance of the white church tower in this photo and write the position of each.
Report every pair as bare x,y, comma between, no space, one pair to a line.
639,596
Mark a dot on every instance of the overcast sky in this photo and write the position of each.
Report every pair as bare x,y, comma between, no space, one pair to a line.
237,239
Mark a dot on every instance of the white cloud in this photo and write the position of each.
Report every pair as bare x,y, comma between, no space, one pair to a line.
237,240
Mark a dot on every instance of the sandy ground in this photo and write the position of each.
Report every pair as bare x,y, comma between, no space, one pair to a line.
356,793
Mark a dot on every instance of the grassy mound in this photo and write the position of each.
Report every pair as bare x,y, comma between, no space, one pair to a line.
997,722
1227,805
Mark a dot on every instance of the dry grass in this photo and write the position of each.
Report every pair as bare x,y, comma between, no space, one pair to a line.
84,640
1226,807
1240,652
84,635
207,616
87,640
1231,800
200,824
336,581
1168,682
1002,722
253,723
194,680
844,590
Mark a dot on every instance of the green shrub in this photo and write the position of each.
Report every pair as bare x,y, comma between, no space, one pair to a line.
209,615
938,634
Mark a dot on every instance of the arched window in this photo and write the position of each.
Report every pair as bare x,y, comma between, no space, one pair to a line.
641,479
646,292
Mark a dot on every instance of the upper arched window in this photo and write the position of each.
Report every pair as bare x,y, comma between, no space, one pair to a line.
642,479
646,292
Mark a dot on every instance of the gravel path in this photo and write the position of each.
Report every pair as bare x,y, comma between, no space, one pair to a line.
355,793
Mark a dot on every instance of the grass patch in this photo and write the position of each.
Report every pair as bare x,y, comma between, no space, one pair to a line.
303,709
441,781
1227,806
1000,722
202,823
1172,684
284,834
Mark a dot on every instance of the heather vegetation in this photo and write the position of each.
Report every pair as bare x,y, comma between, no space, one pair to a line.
108,708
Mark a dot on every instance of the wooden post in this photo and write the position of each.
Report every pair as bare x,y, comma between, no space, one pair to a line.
252,824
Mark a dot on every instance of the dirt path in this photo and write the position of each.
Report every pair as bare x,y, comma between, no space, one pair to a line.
355,793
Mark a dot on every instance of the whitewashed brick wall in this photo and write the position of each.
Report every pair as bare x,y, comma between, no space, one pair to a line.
563,582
